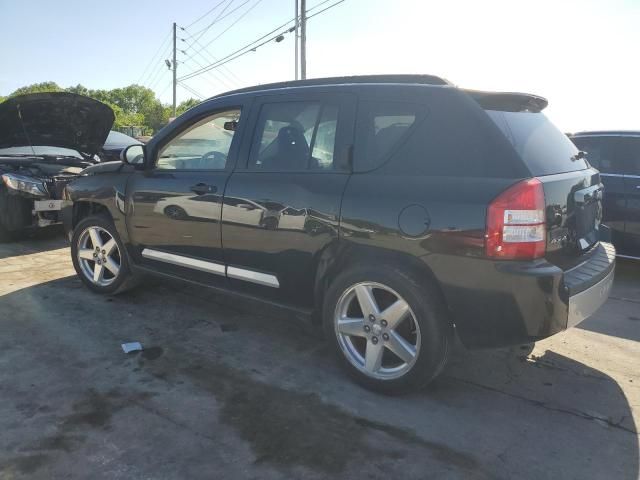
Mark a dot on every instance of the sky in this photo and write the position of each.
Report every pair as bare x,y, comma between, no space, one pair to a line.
581,55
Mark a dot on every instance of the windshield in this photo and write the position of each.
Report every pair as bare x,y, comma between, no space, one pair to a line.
543,148
41,150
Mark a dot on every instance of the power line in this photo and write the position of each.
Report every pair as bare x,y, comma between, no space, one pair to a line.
165,88
324,9
212,59
250,47
250,44
155,55
230,26
318,5
219,18
213,74
191,90
158,76
205,14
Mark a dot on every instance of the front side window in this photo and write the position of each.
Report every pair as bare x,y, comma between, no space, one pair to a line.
203,146
295,136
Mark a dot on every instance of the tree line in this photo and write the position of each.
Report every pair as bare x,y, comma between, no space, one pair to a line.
134,105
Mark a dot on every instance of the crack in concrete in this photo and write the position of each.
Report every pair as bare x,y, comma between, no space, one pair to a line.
539,403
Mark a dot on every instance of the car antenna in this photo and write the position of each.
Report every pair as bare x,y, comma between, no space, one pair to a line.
24,130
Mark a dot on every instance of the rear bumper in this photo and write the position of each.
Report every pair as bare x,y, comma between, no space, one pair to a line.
585,303
496,304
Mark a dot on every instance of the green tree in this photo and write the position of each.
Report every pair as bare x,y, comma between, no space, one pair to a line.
186,105
80,90
133,105
37,88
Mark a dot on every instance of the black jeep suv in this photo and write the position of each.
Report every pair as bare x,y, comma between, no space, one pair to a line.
394,210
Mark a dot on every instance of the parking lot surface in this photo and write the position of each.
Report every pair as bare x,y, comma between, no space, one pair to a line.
229,390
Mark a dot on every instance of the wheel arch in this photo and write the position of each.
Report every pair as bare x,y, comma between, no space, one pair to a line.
342,256
85,208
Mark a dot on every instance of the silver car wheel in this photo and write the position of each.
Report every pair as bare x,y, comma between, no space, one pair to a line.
377,330
99,256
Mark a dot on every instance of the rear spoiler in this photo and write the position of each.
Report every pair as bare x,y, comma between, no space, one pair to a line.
508,101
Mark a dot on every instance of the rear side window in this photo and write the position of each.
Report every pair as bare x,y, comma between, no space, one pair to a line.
543,148
381,128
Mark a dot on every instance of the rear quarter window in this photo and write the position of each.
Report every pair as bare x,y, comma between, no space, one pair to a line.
543,148
382,126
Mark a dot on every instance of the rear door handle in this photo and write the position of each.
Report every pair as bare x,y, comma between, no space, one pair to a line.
202,188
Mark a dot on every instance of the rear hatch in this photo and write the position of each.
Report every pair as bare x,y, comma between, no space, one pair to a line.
572,189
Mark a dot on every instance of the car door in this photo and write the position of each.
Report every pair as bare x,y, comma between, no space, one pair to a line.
174,206
602,153
282,203
629,153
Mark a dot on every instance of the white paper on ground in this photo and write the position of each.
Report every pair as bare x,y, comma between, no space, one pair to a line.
131,347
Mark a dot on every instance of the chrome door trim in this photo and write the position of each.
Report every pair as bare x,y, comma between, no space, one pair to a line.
179,260
253,276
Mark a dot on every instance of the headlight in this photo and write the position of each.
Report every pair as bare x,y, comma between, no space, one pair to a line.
25,184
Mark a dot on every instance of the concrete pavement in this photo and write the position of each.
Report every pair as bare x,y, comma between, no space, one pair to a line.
227,392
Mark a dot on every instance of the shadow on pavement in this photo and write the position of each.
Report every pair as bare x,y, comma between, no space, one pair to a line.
35,241
494,414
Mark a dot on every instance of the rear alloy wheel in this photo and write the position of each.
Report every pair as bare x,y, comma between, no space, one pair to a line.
390,329
377,331
98,255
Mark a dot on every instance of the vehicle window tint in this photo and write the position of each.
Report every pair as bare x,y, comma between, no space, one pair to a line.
543,148
381,127
600,152
628,155
325,139
203,146
294,136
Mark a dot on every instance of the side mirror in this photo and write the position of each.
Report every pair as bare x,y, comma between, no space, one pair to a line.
133,155
231,126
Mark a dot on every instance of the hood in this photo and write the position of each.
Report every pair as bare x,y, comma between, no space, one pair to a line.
56,119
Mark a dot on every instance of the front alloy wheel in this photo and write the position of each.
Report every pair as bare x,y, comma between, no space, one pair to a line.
98,256
377,331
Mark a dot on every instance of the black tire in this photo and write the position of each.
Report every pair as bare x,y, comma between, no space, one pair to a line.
124,280
429,312
15,214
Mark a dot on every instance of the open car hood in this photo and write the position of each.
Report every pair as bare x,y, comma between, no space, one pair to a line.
56,119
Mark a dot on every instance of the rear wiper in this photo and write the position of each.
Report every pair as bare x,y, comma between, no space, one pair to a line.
579,156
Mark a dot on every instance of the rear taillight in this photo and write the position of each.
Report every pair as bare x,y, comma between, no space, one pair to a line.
516,222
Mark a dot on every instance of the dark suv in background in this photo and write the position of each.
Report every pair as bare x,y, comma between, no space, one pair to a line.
617,155
392,210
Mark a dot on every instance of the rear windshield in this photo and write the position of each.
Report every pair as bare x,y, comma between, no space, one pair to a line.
543,148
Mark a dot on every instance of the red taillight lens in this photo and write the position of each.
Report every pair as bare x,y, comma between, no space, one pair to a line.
516,222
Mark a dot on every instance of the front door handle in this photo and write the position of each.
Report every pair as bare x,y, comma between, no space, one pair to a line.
202,188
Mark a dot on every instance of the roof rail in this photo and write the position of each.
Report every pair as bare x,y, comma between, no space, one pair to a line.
393,78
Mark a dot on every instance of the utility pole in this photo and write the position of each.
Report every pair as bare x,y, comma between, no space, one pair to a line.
303,39
296,37
175,66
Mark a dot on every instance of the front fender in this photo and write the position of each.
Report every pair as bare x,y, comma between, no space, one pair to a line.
103,193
